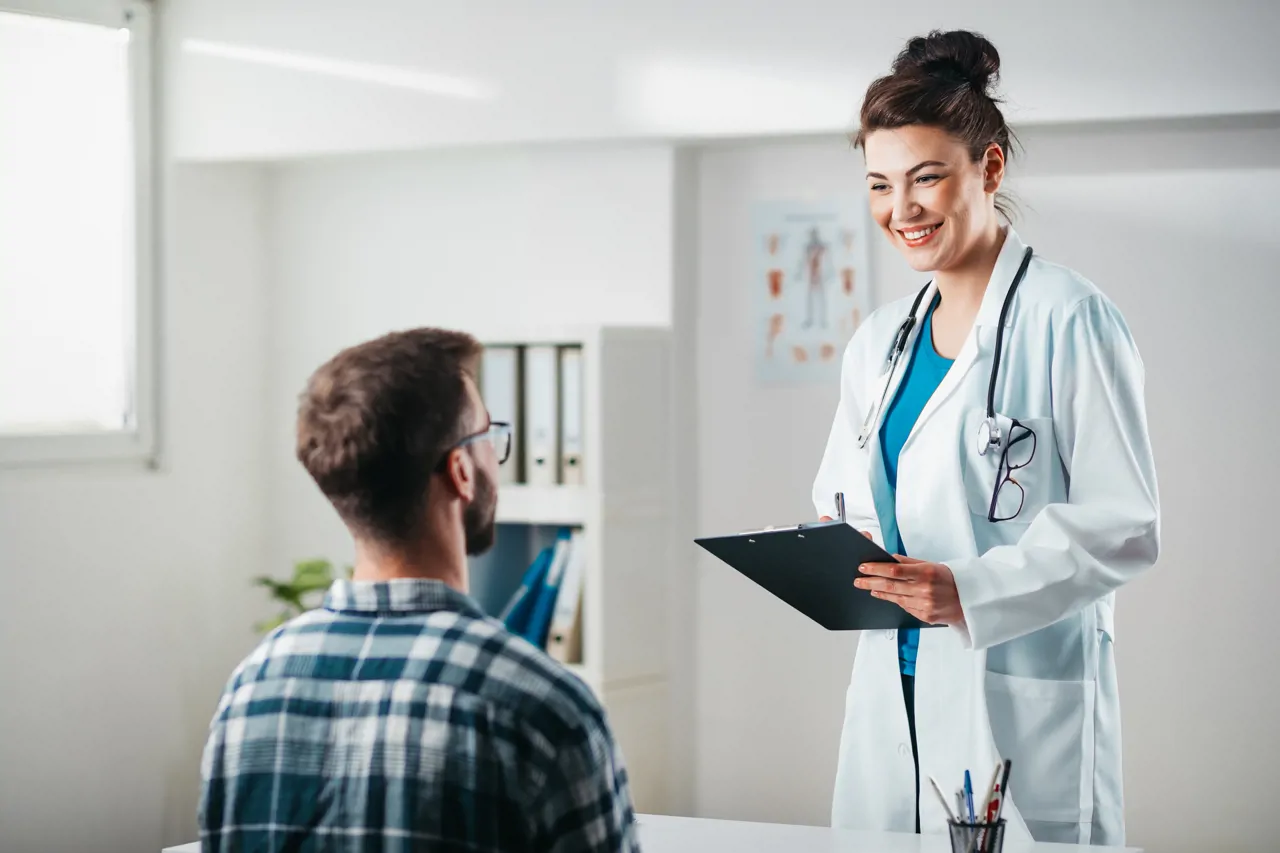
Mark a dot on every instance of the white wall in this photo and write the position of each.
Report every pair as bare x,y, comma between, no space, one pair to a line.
470,240
1175,223
682,584
126,591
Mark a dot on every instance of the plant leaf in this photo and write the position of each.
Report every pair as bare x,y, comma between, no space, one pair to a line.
313,571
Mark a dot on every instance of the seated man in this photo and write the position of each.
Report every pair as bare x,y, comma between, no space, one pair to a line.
399,717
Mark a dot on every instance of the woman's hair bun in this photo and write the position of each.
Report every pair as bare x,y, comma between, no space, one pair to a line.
957,56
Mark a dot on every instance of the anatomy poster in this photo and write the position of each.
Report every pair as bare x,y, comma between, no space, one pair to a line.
809,287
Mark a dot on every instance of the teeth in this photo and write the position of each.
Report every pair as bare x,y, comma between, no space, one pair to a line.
916,235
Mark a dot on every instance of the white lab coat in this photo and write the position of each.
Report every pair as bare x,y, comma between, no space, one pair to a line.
1033,676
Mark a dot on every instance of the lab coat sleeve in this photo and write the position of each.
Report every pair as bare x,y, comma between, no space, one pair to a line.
1108,530
844,464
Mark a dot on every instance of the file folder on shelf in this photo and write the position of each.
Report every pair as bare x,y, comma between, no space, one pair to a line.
544,607
542,463
564,642
519,610
571,416
500,388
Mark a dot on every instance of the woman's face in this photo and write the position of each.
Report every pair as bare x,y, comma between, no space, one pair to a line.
928,196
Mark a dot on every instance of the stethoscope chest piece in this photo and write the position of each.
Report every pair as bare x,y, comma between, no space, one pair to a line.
988,436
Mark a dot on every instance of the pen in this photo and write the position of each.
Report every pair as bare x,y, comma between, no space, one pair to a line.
968,794
987,804
1004,787
840,506
937,790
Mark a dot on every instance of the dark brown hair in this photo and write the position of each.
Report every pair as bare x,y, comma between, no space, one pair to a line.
375,419
945,80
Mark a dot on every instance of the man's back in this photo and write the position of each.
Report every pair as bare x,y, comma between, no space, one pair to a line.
399,717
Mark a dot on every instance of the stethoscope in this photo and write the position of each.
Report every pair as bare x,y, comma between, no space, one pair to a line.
989,433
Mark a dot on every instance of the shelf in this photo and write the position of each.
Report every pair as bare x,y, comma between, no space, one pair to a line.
520,504
523,335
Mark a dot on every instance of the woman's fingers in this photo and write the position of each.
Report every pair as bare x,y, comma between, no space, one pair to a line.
882,570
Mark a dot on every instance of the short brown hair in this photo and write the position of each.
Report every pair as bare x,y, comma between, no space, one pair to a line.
375,419
944,80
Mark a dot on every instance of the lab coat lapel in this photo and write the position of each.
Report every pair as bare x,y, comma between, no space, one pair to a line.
981,337
881,492
882,495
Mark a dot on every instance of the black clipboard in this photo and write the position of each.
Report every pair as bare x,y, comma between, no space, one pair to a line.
812,567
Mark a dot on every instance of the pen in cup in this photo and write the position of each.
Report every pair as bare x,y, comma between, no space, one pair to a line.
988,804
942,799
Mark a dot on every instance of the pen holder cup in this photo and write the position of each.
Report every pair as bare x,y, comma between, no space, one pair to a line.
977,837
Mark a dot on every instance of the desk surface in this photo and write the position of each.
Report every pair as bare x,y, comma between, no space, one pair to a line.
663,834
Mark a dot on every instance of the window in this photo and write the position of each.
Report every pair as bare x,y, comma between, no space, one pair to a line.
76,262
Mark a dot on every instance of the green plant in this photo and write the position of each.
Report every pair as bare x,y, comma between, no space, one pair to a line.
303,592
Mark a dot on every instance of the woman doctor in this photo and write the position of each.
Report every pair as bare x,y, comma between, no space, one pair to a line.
992,427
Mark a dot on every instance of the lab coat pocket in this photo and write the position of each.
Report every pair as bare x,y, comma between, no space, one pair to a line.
1029,464
1046,729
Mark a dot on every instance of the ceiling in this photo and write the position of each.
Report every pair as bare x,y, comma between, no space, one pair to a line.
263,79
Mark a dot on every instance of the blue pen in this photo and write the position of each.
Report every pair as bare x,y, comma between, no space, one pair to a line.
968,794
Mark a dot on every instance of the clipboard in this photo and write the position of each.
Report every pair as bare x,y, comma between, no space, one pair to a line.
812,567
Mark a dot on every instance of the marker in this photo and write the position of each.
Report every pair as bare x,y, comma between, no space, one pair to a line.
942,799
988,810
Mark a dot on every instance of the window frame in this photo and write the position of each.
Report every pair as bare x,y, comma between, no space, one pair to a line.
136,441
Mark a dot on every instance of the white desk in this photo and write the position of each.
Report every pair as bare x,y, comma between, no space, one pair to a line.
663,834
660,834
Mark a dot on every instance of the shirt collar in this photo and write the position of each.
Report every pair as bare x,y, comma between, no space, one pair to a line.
402,596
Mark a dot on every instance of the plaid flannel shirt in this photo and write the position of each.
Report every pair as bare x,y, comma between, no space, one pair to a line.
398,718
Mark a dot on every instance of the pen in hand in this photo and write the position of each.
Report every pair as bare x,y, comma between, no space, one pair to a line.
840,514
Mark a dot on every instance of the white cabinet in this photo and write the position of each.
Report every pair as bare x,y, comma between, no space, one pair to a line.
624,508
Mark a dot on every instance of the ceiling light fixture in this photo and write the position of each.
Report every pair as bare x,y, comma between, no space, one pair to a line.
363,72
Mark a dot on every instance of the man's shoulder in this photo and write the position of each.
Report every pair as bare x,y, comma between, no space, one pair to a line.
516,675
473,656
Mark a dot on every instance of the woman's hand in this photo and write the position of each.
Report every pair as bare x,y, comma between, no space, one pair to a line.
925,590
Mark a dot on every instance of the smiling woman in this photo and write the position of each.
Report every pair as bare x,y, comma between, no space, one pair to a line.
1013,480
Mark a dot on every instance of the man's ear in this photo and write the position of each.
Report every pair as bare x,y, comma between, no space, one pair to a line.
460,473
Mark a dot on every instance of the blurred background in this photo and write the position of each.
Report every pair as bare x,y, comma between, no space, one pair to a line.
202,200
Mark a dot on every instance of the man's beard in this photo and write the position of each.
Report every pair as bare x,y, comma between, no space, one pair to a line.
478,518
